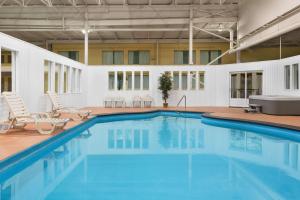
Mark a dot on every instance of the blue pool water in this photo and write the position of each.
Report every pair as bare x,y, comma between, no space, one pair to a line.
163,156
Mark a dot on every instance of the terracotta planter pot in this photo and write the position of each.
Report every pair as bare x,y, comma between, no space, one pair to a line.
165,105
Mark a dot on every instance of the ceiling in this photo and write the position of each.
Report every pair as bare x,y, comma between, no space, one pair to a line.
40,21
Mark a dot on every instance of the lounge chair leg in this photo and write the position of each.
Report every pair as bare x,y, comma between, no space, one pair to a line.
45,132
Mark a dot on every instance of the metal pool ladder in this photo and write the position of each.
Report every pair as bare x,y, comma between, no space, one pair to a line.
183,97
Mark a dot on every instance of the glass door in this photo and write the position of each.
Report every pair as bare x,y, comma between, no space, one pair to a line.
243,85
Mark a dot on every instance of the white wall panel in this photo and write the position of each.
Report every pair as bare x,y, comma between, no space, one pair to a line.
30,73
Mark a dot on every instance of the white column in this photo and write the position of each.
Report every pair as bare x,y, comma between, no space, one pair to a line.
231,33
191,38
280,48
86,44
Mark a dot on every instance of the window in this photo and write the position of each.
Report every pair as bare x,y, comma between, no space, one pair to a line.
193,78
79,80
128,82
137,80
184,80
74,55
206,56
176,80
112,57
47,76
7,71
296,76
138,57
73,85
57,78
2,59
201,77
120,80
182,57
245,84
287,74
145,80
66,79
111,80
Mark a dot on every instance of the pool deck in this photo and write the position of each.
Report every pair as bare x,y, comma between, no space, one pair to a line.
15,141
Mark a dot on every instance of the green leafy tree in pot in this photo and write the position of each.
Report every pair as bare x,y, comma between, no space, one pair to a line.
165,85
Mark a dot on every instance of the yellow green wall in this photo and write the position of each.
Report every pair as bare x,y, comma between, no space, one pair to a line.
166,51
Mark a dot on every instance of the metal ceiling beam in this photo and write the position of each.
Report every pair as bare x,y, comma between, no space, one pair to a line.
161,41
69,24
112,8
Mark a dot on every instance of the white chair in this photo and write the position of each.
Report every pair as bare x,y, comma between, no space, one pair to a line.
147,100
137,102
109,102
19,116
119,102
58,108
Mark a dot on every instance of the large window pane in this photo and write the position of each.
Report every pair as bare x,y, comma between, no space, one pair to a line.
66,79
206,56
57,78
213,55
73,89
182,57
193,79
201,80
128,80
79,80
111,80
112,57
176,80
47,76
118,57
107,58
296,76
287,79
238,86
74,55
6,71
138,57
137,80
120,80
184,80
145,80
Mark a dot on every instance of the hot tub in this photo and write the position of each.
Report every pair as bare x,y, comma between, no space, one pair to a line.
277,104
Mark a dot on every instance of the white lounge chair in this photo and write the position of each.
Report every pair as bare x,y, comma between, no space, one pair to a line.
19,116
137,102
119,102
147,100
58,108
109,102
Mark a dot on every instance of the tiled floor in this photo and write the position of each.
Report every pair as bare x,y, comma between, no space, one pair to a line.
15,140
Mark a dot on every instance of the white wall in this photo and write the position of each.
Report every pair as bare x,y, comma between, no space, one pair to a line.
30,75
217,82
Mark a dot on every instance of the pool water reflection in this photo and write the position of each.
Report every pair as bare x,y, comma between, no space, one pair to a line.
162,158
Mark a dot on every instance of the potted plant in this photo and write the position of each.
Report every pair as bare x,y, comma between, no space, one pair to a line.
165,85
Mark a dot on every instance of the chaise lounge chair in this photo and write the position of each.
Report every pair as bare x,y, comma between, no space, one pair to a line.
137,102
58,108
19,116
147,100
